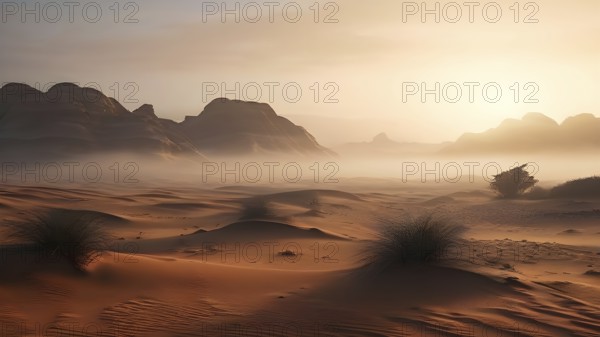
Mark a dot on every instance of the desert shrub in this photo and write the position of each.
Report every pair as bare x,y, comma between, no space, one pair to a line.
288,253
72,236
421,240
256,209
514,182
579,188
537,192
315,204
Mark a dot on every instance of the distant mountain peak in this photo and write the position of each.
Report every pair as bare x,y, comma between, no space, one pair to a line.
224,106
14,87
535,132
65,85
72,92
146,110
63,97
580,119
539,118
69,119
232,127
382,139
14,92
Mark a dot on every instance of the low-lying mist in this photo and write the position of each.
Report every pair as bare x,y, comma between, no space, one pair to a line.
326,172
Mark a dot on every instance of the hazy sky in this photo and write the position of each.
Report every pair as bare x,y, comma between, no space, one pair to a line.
364,59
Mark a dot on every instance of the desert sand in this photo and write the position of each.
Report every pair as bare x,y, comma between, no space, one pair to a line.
184,264
299,168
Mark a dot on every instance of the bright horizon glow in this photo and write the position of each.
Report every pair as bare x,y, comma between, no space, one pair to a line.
170,54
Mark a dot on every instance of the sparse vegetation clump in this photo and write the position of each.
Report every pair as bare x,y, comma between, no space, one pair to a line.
421,240
288,253
256,209
514,182
579,188
537,193
73,236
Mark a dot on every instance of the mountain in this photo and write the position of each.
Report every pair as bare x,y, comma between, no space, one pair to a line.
232,127
382,145
383,140
535,132
68,121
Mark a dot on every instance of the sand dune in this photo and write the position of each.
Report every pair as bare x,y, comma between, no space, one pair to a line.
252,230
514,273
443,180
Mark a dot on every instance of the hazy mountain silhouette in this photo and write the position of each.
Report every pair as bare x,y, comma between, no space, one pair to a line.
69,121
535,132
383,145
232,127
